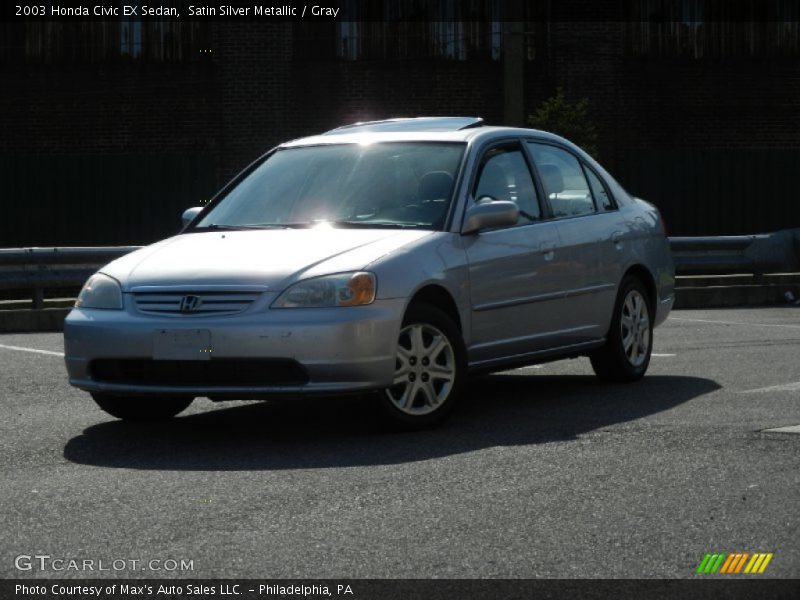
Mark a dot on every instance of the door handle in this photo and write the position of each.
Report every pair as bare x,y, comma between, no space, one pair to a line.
616,239
547,249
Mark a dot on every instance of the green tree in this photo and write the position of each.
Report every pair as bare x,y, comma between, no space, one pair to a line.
568,119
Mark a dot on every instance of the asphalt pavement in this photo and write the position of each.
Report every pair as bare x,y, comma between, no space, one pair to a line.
542,472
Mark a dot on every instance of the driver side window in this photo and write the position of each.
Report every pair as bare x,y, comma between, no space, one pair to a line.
504,175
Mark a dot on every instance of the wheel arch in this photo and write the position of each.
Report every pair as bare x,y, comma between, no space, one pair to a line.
644,275
438,296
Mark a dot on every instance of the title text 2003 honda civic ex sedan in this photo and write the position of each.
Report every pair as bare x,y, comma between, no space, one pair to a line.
392,257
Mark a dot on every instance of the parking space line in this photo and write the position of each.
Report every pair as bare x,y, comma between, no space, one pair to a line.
661,355
784,387
34,350
788,429
735,323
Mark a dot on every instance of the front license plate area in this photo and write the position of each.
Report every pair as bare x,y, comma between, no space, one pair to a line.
182,344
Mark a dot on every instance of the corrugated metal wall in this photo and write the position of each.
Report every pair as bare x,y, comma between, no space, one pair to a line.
99,200
717,192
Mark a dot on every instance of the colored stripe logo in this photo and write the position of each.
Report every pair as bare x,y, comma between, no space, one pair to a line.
734,563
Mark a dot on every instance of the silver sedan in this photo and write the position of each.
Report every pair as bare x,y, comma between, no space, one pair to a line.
392,258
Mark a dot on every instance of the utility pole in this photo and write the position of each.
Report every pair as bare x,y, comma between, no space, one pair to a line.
513,63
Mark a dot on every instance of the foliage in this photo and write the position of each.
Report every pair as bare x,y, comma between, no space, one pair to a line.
568,119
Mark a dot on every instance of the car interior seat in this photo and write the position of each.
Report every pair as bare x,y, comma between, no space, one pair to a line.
433,193
553,182
435,185
525,194
493,183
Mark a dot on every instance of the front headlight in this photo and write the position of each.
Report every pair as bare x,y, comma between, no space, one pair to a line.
342,289
101,291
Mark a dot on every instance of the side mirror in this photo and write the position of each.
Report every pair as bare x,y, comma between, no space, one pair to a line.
189,214
488,213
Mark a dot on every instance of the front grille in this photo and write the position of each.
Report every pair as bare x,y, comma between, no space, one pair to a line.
193,304
229,372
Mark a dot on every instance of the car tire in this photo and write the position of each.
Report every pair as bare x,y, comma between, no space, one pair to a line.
430,369
629,343
141,409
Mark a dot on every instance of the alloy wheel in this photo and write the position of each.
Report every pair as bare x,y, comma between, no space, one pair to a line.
425,370
635,328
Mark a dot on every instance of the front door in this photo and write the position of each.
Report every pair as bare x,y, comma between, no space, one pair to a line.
513,271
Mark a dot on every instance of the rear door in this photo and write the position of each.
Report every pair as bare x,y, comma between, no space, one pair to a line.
589,240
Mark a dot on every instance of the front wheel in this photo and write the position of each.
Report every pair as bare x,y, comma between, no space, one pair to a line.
430,363
626,353
141,409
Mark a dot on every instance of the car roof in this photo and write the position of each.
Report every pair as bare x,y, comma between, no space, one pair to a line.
425,129
411,124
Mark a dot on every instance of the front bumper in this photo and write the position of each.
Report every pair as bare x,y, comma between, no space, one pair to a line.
340,349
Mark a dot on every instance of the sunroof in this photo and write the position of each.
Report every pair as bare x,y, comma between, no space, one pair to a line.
413,124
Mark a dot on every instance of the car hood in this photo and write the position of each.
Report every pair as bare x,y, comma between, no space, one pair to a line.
267,259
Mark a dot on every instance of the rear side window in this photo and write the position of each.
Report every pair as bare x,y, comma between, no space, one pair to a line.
564,181
601,197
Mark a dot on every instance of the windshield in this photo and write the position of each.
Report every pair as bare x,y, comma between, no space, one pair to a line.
394,184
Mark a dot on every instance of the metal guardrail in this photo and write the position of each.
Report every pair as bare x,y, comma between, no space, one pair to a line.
777,252
714,255
34,270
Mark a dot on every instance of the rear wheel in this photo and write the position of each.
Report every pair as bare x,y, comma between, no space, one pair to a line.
430,363
626,354
141,409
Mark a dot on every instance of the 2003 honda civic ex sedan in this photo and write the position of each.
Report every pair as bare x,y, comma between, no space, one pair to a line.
391,257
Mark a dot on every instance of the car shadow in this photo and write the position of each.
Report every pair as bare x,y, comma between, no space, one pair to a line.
498,410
